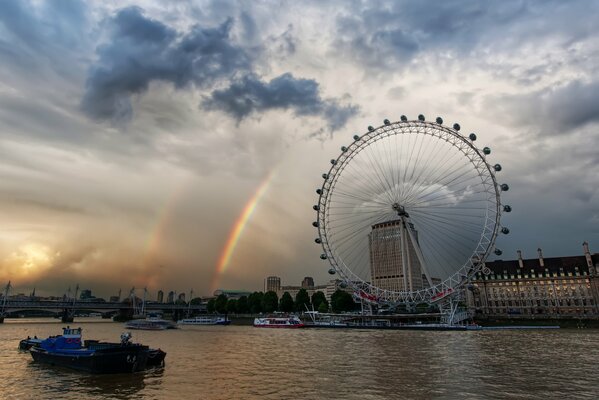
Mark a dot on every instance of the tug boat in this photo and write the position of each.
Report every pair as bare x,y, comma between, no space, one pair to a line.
278,322
96,357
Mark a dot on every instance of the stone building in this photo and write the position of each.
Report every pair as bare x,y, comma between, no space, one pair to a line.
557,287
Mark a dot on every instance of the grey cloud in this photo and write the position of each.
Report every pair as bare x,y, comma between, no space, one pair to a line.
42,36
386,36
554,110
142,50
250,95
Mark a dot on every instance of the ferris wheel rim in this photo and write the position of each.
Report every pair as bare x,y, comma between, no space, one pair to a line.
488,234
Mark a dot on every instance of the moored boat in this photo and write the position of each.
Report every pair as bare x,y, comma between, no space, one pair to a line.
150,324
205,320
278,322
96,357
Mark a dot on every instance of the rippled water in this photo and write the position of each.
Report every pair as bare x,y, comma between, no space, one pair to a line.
242,362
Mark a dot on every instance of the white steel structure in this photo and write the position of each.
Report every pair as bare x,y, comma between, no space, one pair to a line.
436,197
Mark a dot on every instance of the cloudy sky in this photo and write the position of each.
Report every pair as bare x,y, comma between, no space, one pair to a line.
134,134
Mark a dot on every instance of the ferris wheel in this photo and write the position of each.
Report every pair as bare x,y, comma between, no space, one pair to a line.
409,211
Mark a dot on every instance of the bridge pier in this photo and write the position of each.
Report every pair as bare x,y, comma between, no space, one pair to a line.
67,316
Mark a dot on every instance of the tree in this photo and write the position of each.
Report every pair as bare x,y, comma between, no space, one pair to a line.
270,302
211,307
302,300
221,303
196,301
342,301
231,306
317,299
255,302
286,303
323,307
242,305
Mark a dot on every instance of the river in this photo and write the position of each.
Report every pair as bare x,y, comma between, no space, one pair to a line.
242,362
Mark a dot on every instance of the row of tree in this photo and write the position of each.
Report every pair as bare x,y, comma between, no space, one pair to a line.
259,302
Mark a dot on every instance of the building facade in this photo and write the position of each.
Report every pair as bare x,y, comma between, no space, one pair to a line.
272,284
388,268
540,287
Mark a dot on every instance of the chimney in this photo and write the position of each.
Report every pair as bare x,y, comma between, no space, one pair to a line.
520,262
541,261
587,255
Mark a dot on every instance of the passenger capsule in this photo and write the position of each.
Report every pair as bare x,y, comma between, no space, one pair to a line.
323,256
387,122
319,191
316,207
343,149
332,271
343,285
404,118
505,230
439,120
498,252
420,117
507,208
325,176
487,150
356,137
497,167
318,241
315,224
504,187
472,136
333,161
370,128
456,126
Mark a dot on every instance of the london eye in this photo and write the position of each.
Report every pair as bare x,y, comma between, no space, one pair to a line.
409,211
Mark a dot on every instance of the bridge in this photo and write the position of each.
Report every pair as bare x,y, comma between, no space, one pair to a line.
69,307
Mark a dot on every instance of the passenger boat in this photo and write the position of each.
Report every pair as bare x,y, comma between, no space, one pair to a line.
278,322
94,356
205,320
150,324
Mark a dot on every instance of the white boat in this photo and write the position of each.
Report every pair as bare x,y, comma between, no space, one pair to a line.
278,322
150,324
205,320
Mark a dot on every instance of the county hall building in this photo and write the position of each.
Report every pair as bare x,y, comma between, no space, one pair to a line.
557,287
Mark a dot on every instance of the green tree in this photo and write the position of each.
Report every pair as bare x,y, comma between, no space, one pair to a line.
342,301
255,302
270,302
318,298
231,306
196,301
286,303
242,305
323,307
302,299
211,306
221,303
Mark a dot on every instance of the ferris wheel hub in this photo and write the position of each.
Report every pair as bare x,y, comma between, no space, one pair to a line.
401,210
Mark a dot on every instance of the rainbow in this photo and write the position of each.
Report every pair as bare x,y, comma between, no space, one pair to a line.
157,233
238,227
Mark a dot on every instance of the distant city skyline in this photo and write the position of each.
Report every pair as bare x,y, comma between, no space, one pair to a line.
179,145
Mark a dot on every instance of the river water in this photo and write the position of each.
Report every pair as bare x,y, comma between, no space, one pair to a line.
242,362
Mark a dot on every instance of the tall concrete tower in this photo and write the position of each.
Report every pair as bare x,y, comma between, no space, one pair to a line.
389,268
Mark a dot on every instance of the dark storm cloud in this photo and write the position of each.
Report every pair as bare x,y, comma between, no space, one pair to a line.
555,110
142,50
251,95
